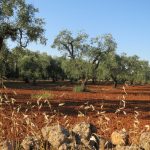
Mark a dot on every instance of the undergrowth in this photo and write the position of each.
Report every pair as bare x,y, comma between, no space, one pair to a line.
78,88
44,95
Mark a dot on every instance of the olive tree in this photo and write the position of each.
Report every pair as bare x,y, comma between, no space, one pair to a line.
138,70
30,68
77,69
4,54
73,47
99,49
117,68
55,70
122,68
19,23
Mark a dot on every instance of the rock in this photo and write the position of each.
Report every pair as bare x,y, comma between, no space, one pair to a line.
76,143
144,141
83,133
134,139
94,142
101,143
45,132
3,145
83,129
30,142
97,142
119,137
56,135
63,147
132,147
105,144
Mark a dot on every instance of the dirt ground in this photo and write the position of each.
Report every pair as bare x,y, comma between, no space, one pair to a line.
97,106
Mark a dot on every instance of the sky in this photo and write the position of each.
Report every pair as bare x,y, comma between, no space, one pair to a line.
127,20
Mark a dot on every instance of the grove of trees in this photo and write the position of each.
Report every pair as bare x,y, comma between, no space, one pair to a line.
83,58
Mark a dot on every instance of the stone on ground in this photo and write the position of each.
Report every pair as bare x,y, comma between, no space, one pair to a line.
132,147
83,129
3,145
56,135
30,142
145,140
119,137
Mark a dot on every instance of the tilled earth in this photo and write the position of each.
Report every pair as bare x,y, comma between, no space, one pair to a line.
97,106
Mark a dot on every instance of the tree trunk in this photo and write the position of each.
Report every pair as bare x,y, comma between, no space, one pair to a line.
84,84
71,80
94,71
53,80
26,80
2,82
132,82
1,43
34,82
94,79
115,81
2,74
16,71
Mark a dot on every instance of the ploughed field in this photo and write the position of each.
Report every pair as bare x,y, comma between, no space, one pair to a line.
102,105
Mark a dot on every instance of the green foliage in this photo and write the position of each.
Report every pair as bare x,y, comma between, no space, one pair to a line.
137,70
55,70
74,48
71,46
85,57
99,49
30,67
5,61
44,61
18,22
82,59
78,89
45,95
76,69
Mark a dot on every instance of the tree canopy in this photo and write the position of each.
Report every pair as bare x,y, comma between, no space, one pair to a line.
83,58
18,22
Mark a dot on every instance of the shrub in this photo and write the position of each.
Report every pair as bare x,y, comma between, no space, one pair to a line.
78,88
44,95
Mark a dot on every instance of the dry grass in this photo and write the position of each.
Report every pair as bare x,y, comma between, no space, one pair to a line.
24,111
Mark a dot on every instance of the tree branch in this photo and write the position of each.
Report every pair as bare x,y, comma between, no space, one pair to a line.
68,49
72,50
20,39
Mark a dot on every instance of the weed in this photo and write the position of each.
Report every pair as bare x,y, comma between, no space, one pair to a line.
44,95
79,88
23,120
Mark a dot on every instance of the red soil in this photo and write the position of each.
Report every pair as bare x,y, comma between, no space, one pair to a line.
102,97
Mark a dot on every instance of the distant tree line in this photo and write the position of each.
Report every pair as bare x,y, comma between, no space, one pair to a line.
23,64
96,59
19,23
82,59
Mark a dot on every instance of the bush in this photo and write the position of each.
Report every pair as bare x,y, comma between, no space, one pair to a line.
44,95
78,88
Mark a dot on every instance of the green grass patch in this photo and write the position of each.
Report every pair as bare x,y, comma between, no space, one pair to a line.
44,95
78,89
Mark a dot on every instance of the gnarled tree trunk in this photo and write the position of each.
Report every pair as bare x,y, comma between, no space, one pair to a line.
115,81
84,83
1,43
